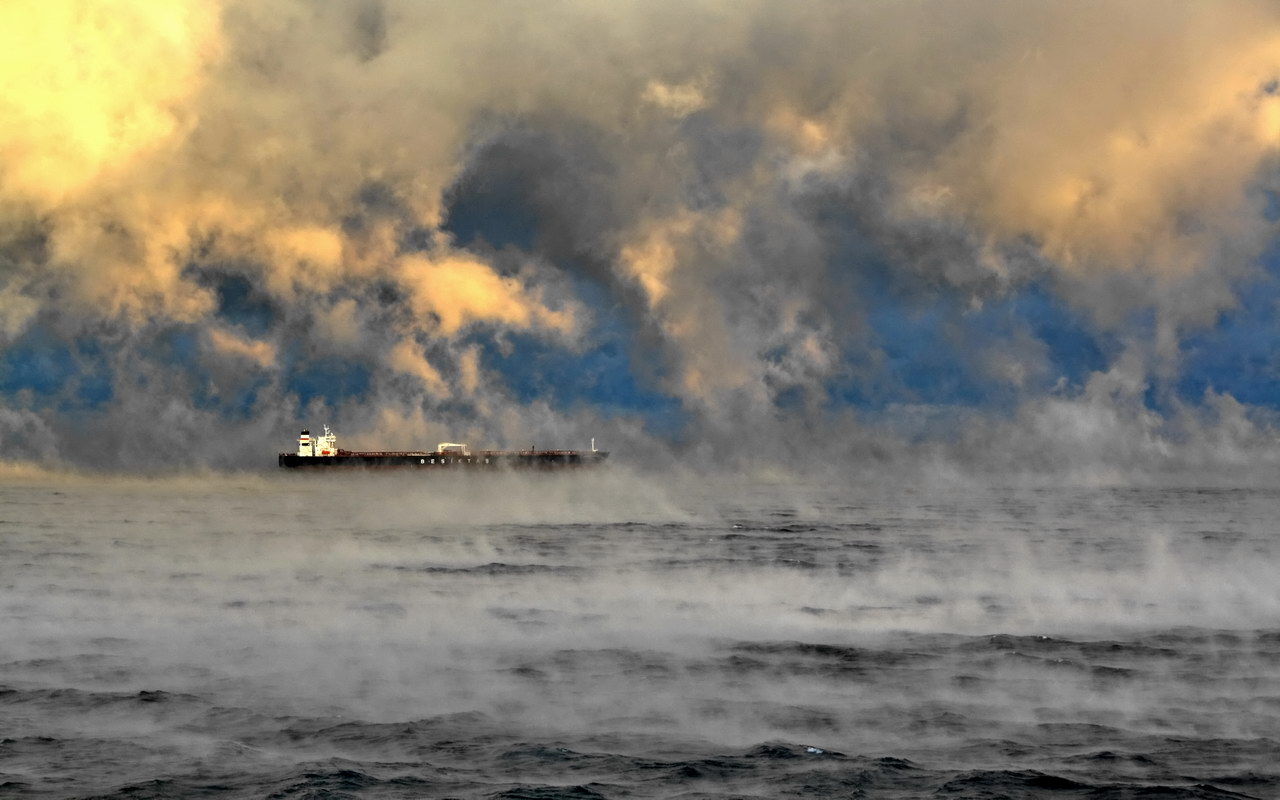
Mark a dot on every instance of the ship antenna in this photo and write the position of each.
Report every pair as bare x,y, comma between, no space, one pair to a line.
593,444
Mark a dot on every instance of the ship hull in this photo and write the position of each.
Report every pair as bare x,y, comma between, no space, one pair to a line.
435,461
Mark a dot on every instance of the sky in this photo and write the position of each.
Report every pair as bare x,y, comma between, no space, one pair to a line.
994,235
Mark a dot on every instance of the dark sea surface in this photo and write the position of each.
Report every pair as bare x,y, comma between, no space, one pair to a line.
608,635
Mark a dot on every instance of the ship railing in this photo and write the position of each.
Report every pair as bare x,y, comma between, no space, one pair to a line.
529,452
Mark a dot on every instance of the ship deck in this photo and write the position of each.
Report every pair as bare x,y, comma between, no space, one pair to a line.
479,460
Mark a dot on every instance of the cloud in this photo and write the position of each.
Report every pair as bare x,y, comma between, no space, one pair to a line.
407,358
679,100
304,258
761,215
458,291
88,89
227,343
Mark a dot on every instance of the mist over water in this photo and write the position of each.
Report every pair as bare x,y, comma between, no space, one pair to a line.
633,635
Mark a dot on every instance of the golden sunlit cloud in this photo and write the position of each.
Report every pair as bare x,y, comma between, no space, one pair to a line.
304,257
679,100
227,343
407,357
86,87
458,291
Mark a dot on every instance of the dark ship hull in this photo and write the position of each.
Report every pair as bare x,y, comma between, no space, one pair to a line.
322,452
483,460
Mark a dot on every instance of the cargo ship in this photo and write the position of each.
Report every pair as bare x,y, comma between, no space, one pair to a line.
323,452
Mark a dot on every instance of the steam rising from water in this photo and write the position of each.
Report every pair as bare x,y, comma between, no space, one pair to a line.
613,612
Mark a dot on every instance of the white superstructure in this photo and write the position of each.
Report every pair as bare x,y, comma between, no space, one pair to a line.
323,445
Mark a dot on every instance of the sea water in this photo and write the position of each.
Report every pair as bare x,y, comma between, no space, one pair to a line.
618,635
